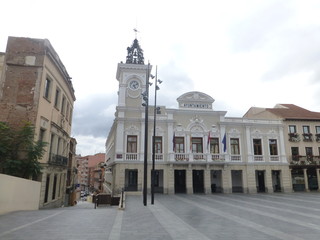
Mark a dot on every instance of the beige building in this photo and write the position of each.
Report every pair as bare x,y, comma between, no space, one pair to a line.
302,141
197,149
36,87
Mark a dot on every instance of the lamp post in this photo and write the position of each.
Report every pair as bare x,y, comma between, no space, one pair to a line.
153,175
145,96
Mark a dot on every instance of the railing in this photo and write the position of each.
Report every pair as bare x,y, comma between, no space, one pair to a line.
258,158
158,156
305,160
235,158
58,160
199,156
131,156
274,158
181,156
218,157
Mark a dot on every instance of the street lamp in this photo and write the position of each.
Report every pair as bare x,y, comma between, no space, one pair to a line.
145,96
153,175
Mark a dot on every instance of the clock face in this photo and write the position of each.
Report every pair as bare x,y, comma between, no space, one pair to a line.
134,85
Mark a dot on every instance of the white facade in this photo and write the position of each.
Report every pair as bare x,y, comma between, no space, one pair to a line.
191,156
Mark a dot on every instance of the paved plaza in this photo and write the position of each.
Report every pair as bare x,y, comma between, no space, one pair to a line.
293,216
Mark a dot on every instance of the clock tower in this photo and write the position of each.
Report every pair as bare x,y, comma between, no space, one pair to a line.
132,77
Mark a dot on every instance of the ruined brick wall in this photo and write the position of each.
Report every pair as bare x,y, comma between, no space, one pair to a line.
21,80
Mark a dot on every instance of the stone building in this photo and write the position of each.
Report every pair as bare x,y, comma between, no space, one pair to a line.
302,141
197,149
36,87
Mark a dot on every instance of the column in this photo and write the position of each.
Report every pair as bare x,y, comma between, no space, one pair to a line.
226,181
207,181
189,180
249,144
169,179
268,178
318,178
306,184
251,179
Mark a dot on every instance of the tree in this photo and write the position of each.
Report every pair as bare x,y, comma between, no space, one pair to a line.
19,153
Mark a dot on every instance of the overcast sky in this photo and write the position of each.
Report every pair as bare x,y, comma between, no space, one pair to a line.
243,53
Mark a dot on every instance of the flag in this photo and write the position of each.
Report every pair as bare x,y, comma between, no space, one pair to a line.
174,142
224,142
209,139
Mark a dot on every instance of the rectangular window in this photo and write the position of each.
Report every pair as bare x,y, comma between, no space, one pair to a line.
318,129
196,144
214,145
309,151
46,195
158,144
54,187
57,98
179,144
47,89
306,129
63,105
67,111
132,144
257,147
42,135
294,151
273,146
292,129
234,143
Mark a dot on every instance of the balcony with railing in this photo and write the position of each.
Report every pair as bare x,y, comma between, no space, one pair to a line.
294,137
305,160
258,158
58,160
307,137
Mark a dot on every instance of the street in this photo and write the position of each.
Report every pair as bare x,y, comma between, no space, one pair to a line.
219,216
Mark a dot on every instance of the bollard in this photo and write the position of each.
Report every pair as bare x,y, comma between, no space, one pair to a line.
121,198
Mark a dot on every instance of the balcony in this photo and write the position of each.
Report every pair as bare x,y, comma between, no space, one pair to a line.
307,137
294,137
305,160
58,160
258,158
131,156
317,137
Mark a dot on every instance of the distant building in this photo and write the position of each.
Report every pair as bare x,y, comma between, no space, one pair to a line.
96,173
36,87
302,141
90,172
197,149
83,172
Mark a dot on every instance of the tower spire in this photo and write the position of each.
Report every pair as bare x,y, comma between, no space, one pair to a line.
135,53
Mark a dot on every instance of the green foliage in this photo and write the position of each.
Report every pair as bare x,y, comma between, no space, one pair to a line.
19,153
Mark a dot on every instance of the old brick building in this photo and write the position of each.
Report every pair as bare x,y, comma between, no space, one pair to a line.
36,87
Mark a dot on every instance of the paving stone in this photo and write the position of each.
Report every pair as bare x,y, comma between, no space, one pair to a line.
218,216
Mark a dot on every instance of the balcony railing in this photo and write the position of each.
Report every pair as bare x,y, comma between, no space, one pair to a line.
294,137
235,158
274,158
307,137
258,158
181,156
58,160
131,156
305,160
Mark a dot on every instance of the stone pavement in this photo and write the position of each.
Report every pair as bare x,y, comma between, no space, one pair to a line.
219,216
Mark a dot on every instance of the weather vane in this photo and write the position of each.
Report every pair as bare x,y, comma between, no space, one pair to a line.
136,32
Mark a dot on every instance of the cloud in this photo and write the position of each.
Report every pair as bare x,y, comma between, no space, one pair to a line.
89,145
94,115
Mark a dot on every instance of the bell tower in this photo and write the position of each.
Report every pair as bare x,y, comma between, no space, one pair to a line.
132,77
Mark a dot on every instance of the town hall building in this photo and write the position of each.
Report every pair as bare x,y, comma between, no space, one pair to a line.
197,149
